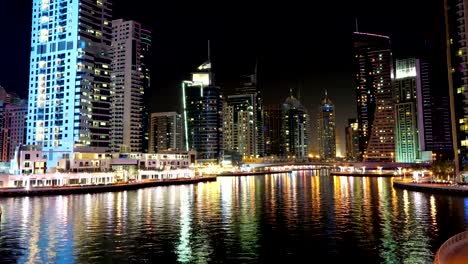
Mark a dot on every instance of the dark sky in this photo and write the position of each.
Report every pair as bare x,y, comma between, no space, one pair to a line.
304,46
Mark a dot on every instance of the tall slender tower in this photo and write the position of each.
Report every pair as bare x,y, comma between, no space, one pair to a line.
202,103
272,130
406,118
145,60
373,68
295,128
352,140
127,87
326,130
456,16
243,120
69,84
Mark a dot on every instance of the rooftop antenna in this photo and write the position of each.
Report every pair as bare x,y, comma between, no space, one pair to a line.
209,52
255,70
299,93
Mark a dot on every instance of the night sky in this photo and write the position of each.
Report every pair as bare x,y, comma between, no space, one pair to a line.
303,46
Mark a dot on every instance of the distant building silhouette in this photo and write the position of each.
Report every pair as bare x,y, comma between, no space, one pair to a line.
326,129
295,128
352,140
165,132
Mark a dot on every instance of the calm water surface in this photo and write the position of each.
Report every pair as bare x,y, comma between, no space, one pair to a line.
299,218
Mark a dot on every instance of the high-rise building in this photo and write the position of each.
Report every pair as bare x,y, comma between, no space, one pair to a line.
326,130
352,140
69,84
203,115
166,132
128,79
406,117
14,129
243,120
433,108
272,130
145,61
295,128
456,15
373,68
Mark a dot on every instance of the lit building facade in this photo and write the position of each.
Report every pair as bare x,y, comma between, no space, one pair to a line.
202,103
165,132
326,130
352,140
145,62
128,86
14,129
373,68
243,121
69,85
457,61
406,117
295,122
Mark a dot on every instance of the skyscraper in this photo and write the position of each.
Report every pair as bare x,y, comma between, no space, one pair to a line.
128,81
457,61
272,130
69,85
406,117
352,140
243,120
166,132
295,128
373,67
203,115
14,128
434,125
145,61
326,130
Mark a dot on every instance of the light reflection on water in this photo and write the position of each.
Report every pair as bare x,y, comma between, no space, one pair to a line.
280,217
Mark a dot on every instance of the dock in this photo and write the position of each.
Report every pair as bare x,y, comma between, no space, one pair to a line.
59,190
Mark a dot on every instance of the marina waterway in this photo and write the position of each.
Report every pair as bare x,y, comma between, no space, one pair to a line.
295,216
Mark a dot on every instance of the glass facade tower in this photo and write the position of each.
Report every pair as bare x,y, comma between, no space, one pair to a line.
69,85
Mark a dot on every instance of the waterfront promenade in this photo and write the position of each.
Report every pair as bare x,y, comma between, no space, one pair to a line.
432,187
35,191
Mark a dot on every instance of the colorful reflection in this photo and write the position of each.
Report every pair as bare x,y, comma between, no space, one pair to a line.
249,219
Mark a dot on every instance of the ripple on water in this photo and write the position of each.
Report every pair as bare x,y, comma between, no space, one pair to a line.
273,218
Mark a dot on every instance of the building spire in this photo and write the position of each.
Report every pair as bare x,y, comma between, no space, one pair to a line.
290,92
209,52
357,27
255,70
326,93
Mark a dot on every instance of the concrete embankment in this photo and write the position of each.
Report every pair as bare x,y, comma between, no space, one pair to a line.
432,188
8,192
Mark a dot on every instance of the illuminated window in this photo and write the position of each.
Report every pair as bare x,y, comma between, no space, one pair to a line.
460,90
464,143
